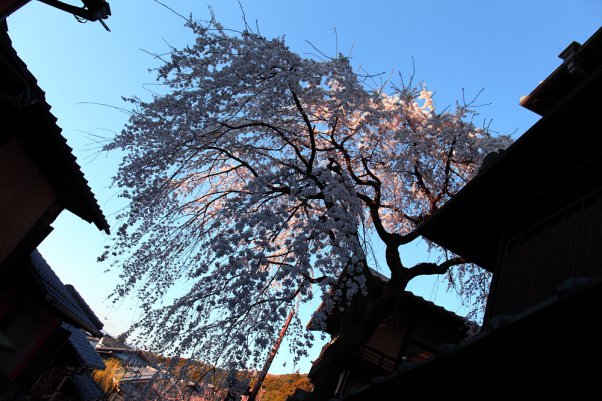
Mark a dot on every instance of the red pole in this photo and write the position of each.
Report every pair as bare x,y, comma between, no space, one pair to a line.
271,356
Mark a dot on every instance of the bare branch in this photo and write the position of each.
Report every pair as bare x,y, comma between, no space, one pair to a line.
424,269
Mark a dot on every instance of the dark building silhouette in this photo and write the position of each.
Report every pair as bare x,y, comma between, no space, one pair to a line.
411,332
39,176
532,217
44,325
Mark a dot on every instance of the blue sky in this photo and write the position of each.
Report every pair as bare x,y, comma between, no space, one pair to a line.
503,47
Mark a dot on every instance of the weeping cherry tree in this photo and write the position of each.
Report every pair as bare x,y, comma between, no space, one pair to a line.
259,179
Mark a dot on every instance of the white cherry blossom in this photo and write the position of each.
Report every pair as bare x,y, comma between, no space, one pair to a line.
258,179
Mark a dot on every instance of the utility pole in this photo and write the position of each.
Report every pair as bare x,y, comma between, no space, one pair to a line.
271,356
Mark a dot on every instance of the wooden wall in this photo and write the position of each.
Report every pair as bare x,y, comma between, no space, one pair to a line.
25,199
536,261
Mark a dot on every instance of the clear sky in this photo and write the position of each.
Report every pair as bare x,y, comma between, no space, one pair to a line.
504,47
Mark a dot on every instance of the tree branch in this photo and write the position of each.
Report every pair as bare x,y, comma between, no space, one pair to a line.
238,159
313,280
310,131
425,269
275,129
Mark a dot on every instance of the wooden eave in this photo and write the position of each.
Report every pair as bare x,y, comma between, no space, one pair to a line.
25,110
557,160
579,62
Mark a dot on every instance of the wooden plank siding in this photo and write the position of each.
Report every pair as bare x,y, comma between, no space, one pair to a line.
536,261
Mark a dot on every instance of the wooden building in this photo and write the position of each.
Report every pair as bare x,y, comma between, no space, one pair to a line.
411,333
45,327
135,374
39,176
43,352
532,217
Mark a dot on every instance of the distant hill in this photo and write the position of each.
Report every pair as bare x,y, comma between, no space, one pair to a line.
278,387
275,387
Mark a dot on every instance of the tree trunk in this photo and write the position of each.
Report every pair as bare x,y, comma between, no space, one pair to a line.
271,356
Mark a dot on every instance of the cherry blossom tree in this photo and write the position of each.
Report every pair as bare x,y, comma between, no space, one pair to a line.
259,178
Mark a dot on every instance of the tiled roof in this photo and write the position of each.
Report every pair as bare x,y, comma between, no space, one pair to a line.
423,301
138,373
58,296
112,344
84,351
130,357
41,137
437,308
407,295
84,306
86,388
